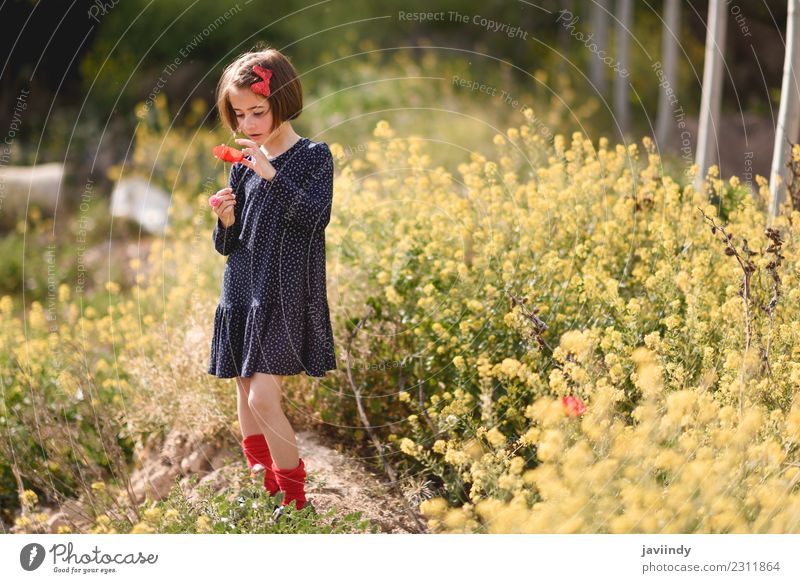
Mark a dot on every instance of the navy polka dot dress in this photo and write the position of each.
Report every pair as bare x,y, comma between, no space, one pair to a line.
273,312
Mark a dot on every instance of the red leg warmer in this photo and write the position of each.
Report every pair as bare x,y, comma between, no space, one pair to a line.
256,451
292,482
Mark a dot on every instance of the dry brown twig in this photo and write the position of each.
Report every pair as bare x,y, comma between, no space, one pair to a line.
537,324
748,267
772,267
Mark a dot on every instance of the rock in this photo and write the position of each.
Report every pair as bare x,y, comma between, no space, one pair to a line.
142,201
38,185
155,485
182,454
199,461
224,457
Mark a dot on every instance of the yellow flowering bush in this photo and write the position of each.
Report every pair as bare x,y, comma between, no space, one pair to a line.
687,464
574,276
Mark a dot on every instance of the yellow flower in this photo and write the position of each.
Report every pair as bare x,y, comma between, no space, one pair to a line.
458,362
63,293
634,306
152,514
403,396
383,130
434,507
576,342
29,498
455,457
337,150
22,522
516,466
495,437
530,436
510,366
393,296
793,423
142,528
203,524
171,514
408,447
41,517
683,281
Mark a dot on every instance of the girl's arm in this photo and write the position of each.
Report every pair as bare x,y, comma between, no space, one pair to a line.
227,239
306,205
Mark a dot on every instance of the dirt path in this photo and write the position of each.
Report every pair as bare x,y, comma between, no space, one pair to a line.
335,481
344,483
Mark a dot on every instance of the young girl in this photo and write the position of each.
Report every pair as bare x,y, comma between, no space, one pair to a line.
272,319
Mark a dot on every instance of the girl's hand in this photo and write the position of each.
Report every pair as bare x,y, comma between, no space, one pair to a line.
224,208
260,164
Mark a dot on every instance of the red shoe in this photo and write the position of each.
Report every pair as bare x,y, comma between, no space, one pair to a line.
259,459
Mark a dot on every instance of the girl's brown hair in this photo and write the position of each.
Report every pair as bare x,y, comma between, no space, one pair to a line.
286,93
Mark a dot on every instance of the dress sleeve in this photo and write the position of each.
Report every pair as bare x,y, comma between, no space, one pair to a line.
306,205
227,239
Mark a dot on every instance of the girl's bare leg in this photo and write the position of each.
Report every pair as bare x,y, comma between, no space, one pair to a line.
247,422
265,403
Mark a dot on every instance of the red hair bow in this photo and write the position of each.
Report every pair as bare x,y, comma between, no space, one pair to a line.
262,86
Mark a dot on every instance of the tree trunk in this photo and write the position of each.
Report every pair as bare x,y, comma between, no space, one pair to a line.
788,114
598,69
624,32
670,37
712,91
563,39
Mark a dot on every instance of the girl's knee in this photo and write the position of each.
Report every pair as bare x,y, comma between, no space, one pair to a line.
264,403
264,397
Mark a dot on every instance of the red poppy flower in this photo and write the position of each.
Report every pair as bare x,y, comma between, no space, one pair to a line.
573,406
227,153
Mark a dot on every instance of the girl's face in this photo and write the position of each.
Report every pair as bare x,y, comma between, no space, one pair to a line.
253,113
